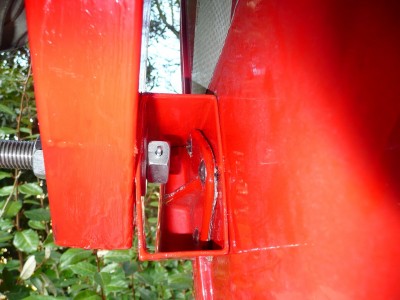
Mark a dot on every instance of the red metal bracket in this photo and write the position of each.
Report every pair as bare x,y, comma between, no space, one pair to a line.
188,210
192,209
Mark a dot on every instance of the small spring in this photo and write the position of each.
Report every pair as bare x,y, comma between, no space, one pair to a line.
16,154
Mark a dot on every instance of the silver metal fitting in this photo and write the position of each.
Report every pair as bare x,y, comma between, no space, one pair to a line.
22,155
189,146
16,154
38,160
158,157
202,172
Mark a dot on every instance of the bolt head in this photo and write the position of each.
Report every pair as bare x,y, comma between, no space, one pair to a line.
38,164
202,172
189,146
158,156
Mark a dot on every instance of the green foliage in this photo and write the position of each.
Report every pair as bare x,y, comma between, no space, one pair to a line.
32,266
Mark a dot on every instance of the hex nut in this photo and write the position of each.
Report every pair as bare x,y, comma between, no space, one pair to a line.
158,157
38,160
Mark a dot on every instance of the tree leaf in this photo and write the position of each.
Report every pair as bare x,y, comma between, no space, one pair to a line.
117,284
38,225
130,267
13,207
26,240
32,189
152,220
87,295
49,242
102,279
154,204
38,214
25,130
5,175
180,281
4,237
30,201
73,256
6,190
5,109
49,284
40,297
37,283
76,288
144,278
68,282
7,130
6,224
19,292
146,294
111,268
83,268
28,268
118,256
12,264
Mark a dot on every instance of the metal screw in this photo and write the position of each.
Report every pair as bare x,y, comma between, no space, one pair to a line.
202,172
189,146
22,155
159,151
16,154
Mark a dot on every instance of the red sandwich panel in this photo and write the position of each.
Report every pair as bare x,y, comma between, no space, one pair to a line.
85,57
308,95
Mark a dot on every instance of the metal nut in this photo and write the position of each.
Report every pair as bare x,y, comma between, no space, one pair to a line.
38,160
158,156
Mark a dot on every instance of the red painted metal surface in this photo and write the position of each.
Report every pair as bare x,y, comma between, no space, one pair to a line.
187,206
308,100
308,95
85,57
188,210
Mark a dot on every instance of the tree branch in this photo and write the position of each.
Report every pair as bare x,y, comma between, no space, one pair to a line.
164,19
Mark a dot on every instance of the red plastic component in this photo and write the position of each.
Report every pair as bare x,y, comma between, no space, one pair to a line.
85,57
192,213
308,95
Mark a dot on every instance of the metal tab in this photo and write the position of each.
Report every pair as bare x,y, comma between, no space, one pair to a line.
158,155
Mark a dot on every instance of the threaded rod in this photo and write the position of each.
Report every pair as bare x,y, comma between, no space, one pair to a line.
16,154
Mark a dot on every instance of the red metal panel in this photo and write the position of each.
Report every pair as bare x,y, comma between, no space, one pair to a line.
308,96
85,57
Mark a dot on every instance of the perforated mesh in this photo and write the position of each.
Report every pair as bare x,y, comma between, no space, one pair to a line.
212,24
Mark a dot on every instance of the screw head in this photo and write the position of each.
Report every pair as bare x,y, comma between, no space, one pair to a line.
159,151
189,146
202,171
